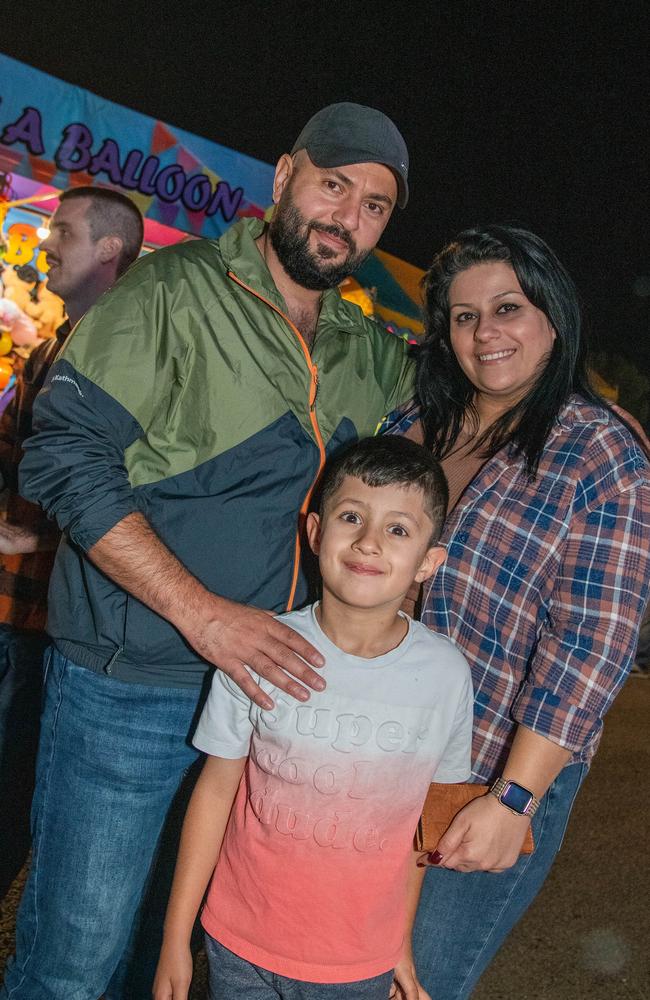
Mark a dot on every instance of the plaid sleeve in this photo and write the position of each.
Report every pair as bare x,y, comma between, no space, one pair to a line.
398,421
587,644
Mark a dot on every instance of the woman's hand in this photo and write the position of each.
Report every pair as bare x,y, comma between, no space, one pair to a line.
406,985
483,836
174,973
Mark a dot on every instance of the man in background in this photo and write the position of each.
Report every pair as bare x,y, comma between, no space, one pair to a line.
95,234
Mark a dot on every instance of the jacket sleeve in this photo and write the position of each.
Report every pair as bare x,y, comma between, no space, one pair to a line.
74,462
588,642
97,400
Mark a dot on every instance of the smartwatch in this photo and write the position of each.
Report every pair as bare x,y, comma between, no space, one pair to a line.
514,797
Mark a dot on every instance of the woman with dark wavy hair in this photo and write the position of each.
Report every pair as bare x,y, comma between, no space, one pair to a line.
546,578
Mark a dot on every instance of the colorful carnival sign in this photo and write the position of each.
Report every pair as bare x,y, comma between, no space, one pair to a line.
61,135
56,136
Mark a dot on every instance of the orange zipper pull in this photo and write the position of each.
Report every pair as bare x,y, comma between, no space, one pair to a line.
314,387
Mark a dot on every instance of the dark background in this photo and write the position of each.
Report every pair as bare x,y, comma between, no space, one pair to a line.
512,111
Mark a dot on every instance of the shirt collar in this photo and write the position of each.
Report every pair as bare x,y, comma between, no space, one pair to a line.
243,259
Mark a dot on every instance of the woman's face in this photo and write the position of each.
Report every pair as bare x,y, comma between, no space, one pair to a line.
500,339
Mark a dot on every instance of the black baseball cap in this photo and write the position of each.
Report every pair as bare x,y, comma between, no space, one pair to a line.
352,133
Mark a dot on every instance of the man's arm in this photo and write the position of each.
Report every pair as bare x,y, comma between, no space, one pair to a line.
201,839
229,635
74,468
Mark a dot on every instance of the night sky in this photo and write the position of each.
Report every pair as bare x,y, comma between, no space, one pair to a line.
512,111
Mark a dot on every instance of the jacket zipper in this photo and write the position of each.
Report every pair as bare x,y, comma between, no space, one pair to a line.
313,392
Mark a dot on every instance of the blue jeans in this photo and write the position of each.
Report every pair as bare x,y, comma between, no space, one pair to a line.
232,976
112,757
21,673
464,917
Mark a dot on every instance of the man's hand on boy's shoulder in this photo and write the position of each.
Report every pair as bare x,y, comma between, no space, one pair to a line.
229,635
236,636
406,985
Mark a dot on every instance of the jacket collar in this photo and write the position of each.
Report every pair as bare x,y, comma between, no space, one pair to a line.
243,259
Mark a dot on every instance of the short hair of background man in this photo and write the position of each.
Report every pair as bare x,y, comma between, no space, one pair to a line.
391,461
112,214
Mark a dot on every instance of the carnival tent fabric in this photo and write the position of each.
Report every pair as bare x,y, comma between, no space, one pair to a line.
397,283
54,135
61,135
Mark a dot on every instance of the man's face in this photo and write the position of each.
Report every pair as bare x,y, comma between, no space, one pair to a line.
72,255
329,219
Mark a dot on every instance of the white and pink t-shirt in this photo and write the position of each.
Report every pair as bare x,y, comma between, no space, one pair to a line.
311,879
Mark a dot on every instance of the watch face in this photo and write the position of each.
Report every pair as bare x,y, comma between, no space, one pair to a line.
516,797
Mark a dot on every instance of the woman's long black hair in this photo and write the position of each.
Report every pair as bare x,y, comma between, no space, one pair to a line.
443,390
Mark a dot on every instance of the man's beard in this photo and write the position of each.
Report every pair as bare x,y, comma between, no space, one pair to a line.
289,232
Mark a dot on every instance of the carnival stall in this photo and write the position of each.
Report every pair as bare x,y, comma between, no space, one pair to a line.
54,136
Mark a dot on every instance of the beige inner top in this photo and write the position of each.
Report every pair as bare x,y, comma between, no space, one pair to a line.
460,467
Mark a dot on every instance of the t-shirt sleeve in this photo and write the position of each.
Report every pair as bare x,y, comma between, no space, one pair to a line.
456,761
225,725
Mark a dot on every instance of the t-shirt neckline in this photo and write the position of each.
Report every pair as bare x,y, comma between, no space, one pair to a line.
365,663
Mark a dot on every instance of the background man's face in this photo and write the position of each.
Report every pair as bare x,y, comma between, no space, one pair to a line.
329,219
72,255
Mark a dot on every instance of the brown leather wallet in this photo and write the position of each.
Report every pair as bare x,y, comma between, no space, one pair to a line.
441,805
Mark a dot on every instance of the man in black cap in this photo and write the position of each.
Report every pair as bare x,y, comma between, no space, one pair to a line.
334,193
180,471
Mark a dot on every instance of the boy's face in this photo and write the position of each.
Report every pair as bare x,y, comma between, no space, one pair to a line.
373,542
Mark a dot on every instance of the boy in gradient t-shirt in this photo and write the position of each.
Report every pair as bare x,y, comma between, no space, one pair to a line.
306,812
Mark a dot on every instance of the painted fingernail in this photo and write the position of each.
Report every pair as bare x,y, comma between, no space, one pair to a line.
435,858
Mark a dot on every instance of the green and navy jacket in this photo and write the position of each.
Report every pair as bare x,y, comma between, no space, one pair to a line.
188,395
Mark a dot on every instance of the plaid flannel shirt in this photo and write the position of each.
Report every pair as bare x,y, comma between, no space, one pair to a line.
545,584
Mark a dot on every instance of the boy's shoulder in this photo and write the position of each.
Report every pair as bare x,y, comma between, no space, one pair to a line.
426,651
295,618
301,621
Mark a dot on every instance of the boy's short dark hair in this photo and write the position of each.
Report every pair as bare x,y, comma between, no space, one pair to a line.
391,461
